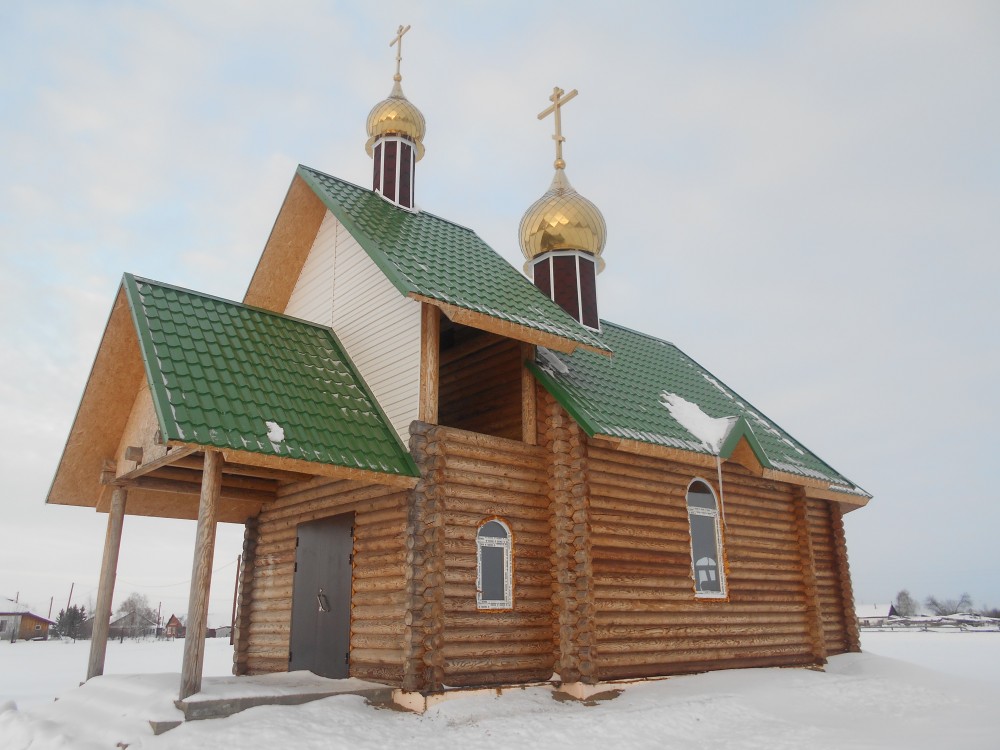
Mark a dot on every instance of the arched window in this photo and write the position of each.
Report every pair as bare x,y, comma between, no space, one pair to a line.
493,566
706,548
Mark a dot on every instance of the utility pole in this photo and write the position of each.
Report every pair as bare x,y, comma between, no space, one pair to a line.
51,599
70,595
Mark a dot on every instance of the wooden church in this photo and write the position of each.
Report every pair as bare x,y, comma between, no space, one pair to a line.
451,473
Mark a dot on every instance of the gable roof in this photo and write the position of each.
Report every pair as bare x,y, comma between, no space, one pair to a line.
230,376
624,397
428,257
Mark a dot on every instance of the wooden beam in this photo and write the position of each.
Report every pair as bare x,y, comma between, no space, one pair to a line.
318,469
236,469
529,425
507,329
640,448
201,576
106,587
233,482
430,362
155,484
173,456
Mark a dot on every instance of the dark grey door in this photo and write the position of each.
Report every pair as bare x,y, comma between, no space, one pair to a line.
321,597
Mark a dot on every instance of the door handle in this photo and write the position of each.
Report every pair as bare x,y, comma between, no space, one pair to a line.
322,601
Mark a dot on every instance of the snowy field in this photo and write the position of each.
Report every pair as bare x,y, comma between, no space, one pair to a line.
909,690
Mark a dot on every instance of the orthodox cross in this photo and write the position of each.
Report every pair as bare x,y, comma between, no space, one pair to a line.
397,42
558,100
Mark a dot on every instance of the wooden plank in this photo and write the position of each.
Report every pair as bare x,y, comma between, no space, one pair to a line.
430,362
172,457
201,577
318,469
529,407
287,248
106,587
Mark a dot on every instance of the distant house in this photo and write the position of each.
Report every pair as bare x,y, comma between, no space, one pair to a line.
174,628
874,615
132,625
224,632
18,622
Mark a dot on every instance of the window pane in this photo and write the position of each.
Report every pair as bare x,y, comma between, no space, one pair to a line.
704,550
493,529
493,578
700,496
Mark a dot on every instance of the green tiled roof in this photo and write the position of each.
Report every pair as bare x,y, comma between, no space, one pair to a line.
623,397
236,377
423,254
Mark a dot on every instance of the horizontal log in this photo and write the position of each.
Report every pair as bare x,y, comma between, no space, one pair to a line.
615,672
487,651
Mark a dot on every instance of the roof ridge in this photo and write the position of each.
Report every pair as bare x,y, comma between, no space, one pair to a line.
639,333
420,212
205,295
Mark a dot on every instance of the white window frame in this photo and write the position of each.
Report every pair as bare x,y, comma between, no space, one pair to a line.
577,254
507,544
719,557
397,142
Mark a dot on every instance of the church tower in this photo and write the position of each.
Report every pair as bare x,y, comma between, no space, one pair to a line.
563,235
395,139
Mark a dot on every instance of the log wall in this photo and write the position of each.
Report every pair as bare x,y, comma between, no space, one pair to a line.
833,581
378,601
477,477
648,618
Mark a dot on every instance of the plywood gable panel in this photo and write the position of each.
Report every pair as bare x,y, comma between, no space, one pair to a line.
340,286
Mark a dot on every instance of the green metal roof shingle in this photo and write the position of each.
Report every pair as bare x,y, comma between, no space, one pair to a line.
230,376
623,397
423,254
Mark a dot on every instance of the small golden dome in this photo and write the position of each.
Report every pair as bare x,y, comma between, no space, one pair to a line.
562,219
396,116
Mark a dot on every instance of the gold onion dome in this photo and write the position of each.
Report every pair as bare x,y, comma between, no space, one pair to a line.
396,115
562,219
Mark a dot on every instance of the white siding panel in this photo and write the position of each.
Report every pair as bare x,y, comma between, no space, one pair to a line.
341,287
312,297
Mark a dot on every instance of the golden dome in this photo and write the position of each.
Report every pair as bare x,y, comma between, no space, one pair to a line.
396,116
562,219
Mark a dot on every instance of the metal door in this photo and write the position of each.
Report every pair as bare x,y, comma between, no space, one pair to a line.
321,597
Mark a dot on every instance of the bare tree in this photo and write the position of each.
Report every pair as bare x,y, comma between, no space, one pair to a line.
905,605
942,607
139,617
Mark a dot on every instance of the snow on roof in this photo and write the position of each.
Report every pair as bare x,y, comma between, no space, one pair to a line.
10,607
711,431
872,610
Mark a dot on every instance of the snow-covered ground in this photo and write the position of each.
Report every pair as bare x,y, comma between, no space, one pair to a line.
888,697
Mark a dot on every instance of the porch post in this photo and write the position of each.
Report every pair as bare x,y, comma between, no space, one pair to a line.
201,576
106,586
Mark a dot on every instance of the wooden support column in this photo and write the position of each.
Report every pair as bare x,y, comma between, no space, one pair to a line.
844,579
423,639
201,576
817,640
574,605
241,635
106,587
529,425
430,362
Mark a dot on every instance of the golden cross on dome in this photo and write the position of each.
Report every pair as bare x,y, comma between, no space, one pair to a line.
558,100
398,43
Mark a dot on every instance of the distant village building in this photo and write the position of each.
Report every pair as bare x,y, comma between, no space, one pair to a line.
18,622
450,472
174,628
875,615
132,625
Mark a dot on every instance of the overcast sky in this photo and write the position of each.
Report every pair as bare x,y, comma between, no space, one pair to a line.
805,197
